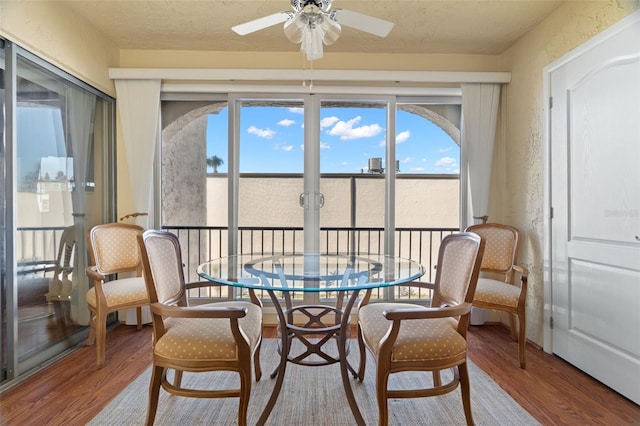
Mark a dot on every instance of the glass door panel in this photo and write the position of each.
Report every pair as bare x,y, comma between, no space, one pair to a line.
271,188
427,181
271,184
353,138
63,132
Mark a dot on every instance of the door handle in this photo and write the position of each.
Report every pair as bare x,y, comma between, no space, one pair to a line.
302,200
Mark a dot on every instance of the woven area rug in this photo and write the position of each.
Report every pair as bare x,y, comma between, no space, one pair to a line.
314,396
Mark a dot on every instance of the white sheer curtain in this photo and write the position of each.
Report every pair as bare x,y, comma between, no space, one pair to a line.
81,108
479,115
138,104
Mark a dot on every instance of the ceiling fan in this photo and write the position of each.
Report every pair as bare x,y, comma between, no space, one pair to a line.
313,23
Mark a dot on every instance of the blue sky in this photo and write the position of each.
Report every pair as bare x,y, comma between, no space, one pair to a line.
271,141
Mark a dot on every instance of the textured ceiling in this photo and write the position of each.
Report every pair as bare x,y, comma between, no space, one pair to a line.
422,26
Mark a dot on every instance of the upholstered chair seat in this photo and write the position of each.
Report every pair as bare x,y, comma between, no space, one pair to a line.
418,340
496,292
123,291
208,338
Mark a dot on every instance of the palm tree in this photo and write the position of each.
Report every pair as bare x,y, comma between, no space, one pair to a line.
214,162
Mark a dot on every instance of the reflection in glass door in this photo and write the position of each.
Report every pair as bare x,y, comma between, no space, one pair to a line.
61,145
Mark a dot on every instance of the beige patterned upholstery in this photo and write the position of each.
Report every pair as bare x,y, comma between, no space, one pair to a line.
216,336
409,337
502,242
497,287
120,292
496,292
208,338
114,250
418,340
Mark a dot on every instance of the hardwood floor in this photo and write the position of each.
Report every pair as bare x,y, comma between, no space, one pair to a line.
72,391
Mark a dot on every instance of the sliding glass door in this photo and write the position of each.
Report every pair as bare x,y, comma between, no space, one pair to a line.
310,172
59,180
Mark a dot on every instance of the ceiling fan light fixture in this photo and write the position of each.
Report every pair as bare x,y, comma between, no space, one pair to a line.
313,23
312,43
294,28
330,30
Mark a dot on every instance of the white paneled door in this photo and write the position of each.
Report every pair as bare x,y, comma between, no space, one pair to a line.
595,200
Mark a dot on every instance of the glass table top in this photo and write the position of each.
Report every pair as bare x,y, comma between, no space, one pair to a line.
311,272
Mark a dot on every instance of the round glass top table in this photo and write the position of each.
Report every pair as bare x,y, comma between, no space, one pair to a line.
311,272
344,276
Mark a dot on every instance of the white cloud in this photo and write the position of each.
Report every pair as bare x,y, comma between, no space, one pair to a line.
346,129
382,143
287,148
296,110
328,121
324,145
407,160
261,133
403,136
448,164
417,169
444,149
286,122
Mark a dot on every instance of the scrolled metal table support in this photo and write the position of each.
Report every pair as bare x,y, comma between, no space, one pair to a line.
286,322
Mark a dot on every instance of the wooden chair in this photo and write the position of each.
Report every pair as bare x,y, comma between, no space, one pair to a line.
220,336
114,250
407,337
497,287
61,285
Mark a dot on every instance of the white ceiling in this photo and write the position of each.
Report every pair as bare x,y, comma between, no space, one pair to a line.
422,26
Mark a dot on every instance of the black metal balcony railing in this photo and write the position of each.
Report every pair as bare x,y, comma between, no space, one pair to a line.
38,246
200,244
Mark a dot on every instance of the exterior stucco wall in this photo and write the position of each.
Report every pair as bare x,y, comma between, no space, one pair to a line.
184,192
518,169
62,38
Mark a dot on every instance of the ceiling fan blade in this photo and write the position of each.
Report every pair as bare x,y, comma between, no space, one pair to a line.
261,23
365,23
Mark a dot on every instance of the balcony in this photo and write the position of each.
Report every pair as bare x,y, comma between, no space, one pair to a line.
37,247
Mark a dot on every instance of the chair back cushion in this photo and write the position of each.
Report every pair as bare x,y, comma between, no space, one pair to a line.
115,248
163,263
458,267
501,246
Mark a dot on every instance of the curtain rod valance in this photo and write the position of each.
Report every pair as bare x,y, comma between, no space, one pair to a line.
242,74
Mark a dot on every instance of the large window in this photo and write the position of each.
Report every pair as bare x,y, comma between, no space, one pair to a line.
264,140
